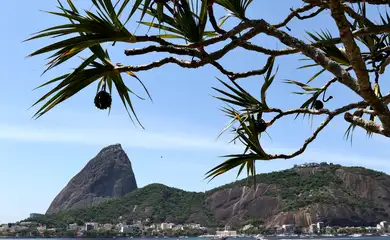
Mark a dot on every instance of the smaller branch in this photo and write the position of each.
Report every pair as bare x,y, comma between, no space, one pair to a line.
164,48
234,76
156,64
239,28
271,52
213,22
373,2
294,111
294,13
369,125
311,15
383,66
306,143
253,72
357,16
147,38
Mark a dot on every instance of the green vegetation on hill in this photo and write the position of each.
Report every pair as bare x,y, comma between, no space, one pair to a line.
156,201
297,188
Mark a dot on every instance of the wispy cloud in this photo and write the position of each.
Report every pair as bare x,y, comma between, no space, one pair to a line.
104,132
106,136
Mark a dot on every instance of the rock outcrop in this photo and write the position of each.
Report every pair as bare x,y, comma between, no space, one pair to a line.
109,174
335,195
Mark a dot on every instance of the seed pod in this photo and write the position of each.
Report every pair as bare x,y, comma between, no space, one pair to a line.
318,105
103,100
260,125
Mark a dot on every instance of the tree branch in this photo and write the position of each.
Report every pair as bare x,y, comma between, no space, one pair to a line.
294,13
164,48
368,125
306,143
156,64
358,64
313,53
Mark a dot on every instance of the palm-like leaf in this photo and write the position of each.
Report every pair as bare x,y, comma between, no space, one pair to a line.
183,20
315,92
351,128
332,51
246,132
250,138
247,103
93,30
236,7
238,97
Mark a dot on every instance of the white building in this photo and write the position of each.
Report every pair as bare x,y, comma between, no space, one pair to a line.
246,227
127,229
320,225
164,226
91,226
226,233
178,227
41,228
288,228
28,224
107,226
73,226
139,225
313,228
193,226
152,226
384,224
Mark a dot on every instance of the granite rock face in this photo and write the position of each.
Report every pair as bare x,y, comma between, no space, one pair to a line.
335,195
109,174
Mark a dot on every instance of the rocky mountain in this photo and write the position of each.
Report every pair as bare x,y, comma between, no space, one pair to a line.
109,174
336,195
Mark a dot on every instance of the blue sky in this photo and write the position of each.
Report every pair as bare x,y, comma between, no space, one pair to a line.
38,157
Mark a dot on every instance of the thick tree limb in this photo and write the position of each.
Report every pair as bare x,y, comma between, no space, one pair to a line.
368,125
358,64
313,53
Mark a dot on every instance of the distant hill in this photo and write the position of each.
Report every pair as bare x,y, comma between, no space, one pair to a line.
109,174
336,195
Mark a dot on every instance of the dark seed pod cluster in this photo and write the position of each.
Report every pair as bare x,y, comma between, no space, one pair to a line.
260,125
318,105
103,100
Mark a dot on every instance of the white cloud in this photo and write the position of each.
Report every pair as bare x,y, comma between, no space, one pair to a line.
106,136
167,139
